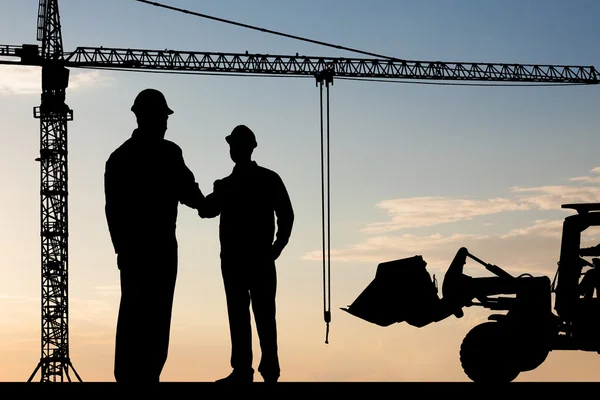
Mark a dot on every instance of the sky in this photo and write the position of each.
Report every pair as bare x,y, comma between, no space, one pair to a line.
415,170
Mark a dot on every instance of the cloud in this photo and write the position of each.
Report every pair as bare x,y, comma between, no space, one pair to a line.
109,291
429,211
383,248
100,307
589,179
6,298
91,310
533,248
18,310
552,197
540,228
26,80
84,80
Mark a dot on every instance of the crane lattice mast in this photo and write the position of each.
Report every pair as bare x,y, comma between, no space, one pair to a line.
53,113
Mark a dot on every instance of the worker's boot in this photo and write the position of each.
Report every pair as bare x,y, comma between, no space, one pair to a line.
238,376
270,379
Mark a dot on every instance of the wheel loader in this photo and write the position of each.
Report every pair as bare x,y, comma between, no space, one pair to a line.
530,315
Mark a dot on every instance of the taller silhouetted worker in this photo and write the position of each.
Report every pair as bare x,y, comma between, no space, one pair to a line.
249,201
145,179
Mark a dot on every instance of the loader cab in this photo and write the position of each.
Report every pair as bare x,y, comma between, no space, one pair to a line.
576,283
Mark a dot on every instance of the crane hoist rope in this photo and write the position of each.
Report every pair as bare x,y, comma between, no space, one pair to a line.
325,79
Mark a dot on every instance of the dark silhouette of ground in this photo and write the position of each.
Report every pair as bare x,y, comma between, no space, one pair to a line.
252,201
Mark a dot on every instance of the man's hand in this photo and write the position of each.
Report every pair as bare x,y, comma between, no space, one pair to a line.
277,249
123,259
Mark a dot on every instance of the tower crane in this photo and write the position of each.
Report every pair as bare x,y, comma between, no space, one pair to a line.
54,114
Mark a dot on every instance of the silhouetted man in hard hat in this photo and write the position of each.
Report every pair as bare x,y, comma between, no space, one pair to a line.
145,180
251,202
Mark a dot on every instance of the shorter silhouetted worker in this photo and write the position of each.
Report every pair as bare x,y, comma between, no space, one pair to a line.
145,180
252,201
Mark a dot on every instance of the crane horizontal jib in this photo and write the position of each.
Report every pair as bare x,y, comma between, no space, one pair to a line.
342,67
297,65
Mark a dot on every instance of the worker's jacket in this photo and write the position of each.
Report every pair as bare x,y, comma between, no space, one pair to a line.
144,181
251,202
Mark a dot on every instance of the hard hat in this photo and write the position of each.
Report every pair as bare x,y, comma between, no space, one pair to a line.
242,135
150,101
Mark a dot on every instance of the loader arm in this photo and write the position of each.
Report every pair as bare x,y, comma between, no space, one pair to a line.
459,290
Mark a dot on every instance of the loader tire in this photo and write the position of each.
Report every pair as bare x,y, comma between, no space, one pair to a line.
532,358
487,354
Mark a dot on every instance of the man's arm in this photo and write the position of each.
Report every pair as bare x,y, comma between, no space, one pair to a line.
189,191
285,217
114,216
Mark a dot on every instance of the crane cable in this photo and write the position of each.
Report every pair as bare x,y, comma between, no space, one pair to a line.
182,10
335,46
321,43
325,181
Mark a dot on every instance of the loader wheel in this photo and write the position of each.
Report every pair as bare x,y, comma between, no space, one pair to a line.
487,354
533,344
530,359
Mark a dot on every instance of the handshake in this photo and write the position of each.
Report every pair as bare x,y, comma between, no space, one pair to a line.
209,206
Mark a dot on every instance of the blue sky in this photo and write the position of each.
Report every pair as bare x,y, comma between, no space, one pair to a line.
416,169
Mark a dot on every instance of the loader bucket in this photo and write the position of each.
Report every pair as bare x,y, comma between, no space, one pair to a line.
402,290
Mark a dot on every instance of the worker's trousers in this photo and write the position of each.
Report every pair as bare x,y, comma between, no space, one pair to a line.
251,282
144,321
